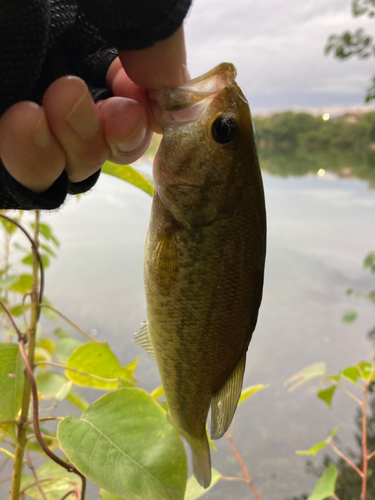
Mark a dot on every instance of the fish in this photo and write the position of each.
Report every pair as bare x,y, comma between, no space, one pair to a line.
204,254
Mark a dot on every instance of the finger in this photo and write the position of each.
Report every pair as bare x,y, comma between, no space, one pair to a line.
161,66
126,129
121,85
75,121
29,151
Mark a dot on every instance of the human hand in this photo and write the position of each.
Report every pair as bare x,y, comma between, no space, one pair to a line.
70,132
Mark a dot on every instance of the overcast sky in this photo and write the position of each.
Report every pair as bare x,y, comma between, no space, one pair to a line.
278,49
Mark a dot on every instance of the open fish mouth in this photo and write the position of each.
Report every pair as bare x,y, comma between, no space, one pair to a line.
189,101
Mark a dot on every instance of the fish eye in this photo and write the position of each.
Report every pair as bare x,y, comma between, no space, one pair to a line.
224,129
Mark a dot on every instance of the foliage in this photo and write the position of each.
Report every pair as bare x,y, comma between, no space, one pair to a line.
122,441
351,475
357,43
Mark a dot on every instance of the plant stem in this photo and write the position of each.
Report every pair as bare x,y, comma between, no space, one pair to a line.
80,372
243,466
365,456
73,324
37,481
364,443
347,460
22,428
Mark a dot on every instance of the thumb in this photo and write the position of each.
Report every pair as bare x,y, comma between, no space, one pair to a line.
161,66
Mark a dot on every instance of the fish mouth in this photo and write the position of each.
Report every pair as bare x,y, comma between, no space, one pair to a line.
189,101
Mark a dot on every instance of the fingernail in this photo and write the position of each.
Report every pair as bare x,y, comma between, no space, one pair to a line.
135,139
42,135
83,118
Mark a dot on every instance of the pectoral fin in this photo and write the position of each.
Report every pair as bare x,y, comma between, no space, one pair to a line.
164,259
224,401
143,339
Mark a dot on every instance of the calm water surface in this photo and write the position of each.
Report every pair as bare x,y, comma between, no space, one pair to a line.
319,230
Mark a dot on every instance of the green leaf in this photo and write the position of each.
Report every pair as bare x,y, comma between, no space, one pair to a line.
349,316
370,258
49,313
53,385
128,370
158,392
48,249
308,373
23,285
5,283
318,446
77,400
351,372
65,347
250,391
47,232
11,384
9,226
18,310
96,359
48,344
62,333
124,443
42,354
62,482
325,487
195,490
28,260
106,495
128,174
326,395
365,369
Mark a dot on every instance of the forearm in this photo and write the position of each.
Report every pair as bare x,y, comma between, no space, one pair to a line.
135,24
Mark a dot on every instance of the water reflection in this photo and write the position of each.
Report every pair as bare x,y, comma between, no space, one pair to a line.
348,484
346,164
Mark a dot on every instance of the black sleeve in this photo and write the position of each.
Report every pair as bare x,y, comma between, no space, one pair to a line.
135,24
42,40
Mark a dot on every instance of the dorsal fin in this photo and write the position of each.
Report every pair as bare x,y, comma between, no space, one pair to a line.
224,401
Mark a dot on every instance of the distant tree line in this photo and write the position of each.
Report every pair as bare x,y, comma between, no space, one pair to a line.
299,143
290,130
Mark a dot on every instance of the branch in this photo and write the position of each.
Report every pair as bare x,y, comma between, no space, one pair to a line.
69,493
32,468
69,467
243,466
347,460
75,370
35,248
43,480
73,324
44,419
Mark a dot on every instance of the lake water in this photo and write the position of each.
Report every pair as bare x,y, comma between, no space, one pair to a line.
319,230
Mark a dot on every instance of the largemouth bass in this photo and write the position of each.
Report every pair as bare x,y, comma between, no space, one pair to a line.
204,255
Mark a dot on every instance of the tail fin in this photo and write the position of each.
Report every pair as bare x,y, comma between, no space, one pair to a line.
201,461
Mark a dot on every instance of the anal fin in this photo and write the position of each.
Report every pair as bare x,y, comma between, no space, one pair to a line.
224,401
143,339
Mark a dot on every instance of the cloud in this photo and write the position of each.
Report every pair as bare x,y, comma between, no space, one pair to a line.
278,48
